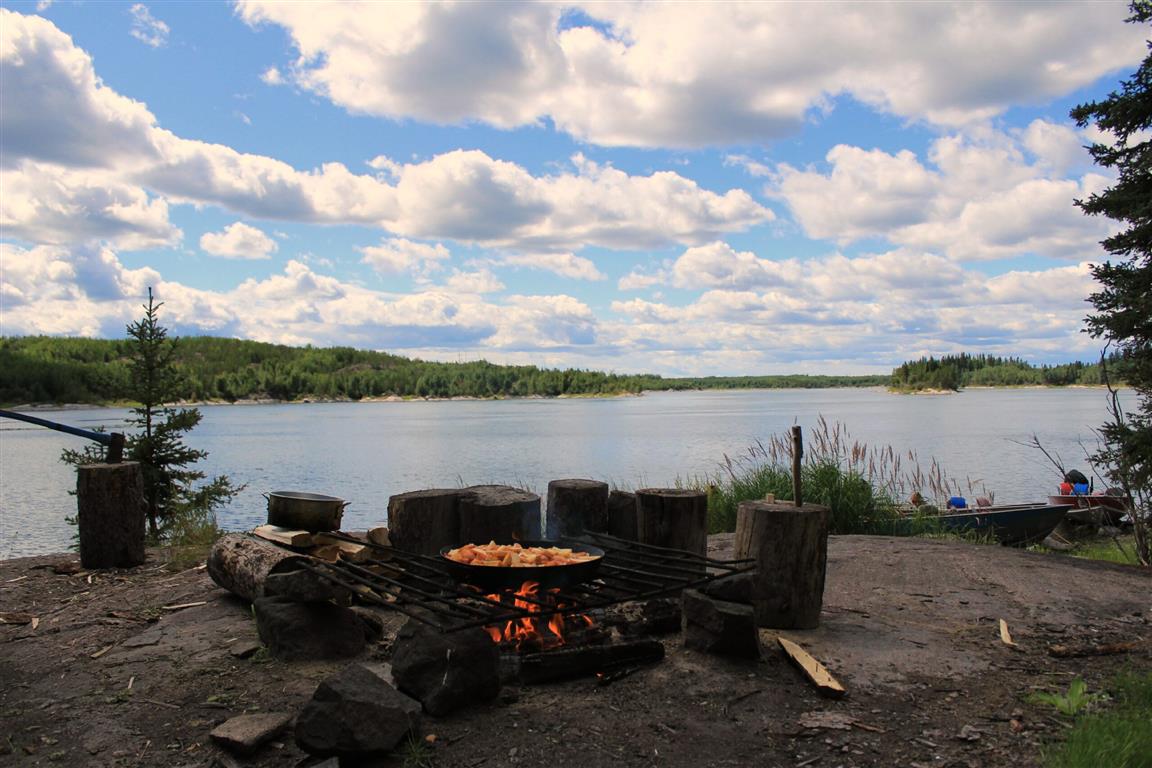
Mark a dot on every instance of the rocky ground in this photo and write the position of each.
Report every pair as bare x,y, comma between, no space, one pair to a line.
134,668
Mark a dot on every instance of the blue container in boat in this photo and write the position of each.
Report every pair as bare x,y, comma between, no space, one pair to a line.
1080,489
958,502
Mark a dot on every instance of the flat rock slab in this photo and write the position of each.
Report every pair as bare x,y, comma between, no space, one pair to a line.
245,734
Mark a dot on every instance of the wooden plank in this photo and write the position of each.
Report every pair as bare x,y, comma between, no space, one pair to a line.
356,553
285,536
826,685
1005,636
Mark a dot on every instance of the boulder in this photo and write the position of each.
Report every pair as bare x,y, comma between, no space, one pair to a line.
295,631
355,713
736,588
445,671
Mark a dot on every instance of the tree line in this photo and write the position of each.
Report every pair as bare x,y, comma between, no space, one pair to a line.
953,372
48,369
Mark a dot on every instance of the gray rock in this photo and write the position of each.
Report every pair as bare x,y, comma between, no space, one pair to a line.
718,626
355,713
733,589
305,587
446,671
308,631
245,734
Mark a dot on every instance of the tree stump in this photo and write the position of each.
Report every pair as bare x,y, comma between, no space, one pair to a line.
423,522
673,518
498,513
111,514
575,506
622,515
241,564
790,547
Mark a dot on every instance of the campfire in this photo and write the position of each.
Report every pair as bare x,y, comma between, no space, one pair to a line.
545,625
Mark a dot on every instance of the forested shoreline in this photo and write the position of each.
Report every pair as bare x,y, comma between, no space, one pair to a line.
954,372
47,369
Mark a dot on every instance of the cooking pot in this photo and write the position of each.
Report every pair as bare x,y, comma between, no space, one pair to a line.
305,511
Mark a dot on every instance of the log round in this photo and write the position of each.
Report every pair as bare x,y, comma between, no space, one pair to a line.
498,513
622,515
790,547
423,522
676,518
575,506
111,514
241,563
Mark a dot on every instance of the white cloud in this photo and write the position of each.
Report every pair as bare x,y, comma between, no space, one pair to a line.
563,264
477,281
44,203
983,200
272,76
638,280
147,28
687,75
398,255
239,241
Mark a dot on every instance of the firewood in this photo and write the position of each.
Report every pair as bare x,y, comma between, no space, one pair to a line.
379,536
567,663
1005,636
285,536
826,685
240,563
356,553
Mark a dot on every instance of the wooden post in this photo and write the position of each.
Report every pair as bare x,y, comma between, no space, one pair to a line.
575,506
423,522
797,456
790,547
498,513
622,515
673,517
110,514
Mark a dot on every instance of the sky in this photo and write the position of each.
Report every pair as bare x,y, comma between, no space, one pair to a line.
678,188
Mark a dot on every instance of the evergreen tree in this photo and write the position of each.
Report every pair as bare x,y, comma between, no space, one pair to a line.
1124,302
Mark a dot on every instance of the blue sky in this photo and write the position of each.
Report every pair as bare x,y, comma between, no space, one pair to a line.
677,188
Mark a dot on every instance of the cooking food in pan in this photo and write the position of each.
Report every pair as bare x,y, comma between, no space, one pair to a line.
517,555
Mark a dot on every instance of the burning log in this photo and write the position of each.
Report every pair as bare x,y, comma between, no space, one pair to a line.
110,514
241,564
790,547
673,517
568,663
498,513
575,506
423,522
622,515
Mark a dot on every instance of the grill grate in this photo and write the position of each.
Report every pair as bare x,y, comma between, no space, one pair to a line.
421,587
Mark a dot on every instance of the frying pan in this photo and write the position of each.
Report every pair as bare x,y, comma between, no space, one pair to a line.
548,576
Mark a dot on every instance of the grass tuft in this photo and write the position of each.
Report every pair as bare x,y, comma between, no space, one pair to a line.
1119,737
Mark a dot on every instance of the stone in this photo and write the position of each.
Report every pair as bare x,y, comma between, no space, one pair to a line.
736,588
355,713
245,734
305,587
445,671
719,626
308,631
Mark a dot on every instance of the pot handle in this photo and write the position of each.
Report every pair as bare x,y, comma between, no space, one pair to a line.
344,505
265,495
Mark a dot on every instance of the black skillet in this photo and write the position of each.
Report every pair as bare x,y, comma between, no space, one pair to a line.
495,577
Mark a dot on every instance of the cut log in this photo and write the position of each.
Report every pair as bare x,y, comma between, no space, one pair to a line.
283,536
673,517
240,563
826,685
568,663
498,513
423,522
575,506
790,547
111,513
622,515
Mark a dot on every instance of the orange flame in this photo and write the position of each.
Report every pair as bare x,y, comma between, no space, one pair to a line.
531,632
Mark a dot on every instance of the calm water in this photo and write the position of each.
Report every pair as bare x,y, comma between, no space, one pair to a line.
365,452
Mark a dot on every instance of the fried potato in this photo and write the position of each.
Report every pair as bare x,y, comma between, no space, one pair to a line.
516,556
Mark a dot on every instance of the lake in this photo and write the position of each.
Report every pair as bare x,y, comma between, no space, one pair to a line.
366,452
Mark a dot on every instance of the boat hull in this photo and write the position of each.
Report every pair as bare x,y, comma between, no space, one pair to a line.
1015,525
1100,510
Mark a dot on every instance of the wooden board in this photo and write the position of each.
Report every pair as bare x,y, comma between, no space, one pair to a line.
826,685
285,536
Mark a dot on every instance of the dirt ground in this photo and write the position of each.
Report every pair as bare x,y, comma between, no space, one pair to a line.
134,668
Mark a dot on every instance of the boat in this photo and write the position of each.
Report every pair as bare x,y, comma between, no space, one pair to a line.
1015,525
1096,508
